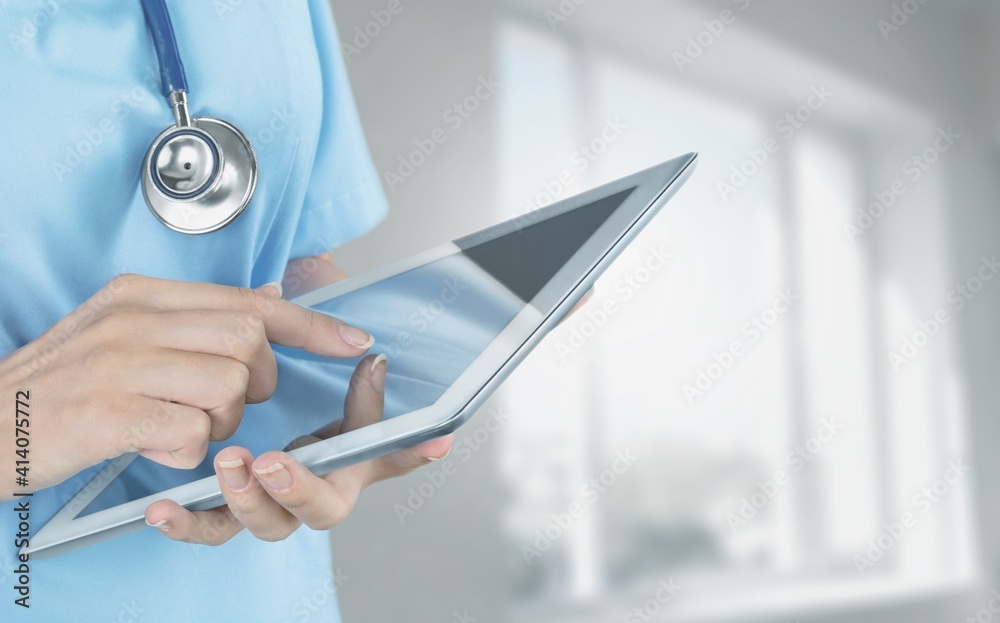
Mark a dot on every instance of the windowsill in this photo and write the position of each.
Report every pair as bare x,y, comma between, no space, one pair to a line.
771,601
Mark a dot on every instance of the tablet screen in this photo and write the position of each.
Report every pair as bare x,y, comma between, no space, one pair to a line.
431,322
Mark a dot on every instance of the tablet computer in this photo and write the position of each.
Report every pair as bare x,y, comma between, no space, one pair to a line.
453,323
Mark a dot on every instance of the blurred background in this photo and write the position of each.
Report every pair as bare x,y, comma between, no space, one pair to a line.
793,417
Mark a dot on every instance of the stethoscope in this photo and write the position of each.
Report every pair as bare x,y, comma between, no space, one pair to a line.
199,173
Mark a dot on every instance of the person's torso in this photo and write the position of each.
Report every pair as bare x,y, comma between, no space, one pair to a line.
79,105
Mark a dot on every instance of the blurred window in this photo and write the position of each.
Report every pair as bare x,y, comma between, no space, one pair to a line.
748,374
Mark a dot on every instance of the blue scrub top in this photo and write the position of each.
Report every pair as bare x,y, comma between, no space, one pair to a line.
79,104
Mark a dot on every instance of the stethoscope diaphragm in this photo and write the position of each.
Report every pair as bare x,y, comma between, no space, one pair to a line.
197,184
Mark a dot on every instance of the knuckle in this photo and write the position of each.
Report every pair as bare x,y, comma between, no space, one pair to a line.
260,332
250,317
244,298
124,282
195,438
202,427
119,289
224,430
190,456
119,322
235,378
247,507
245,333
126,286
225,423
193,458
255,320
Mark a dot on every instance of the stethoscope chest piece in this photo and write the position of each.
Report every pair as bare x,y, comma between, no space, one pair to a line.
199,174
198,178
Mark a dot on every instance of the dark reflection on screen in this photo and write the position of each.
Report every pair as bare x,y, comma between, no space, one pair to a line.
431,323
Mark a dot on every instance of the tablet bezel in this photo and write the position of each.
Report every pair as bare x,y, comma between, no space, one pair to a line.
652,188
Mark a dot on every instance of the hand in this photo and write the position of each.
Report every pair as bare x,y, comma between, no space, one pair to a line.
155,367
273,495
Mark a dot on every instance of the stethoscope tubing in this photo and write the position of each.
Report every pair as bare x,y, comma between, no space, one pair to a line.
172,77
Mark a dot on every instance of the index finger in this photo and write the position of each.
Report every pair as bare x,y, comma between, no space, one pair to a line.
284,322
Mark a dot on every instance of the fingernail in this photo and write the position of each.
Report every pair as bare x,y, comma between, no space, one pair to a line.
440,458
275,477
162,524
275,285
447,452
355,337
235,474
378,376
